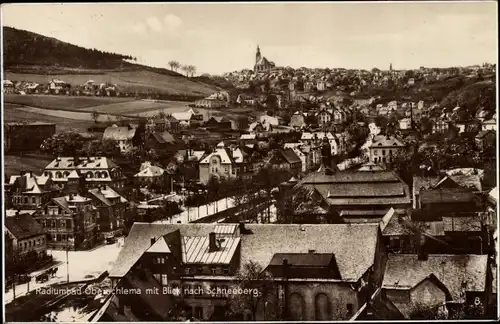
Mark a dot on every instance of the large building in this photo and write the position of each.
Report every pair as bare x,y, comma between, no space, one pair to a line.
69,221
110,211
26,136
261,63
351,197
316,272
25,236
28,191
92,171
224,163
384,149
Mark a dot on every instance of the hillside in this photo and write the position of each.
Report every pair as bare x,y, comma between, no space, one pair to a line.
36,58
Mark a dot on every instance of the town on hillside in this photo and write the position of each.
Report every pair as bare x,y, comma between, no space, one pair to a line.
268,193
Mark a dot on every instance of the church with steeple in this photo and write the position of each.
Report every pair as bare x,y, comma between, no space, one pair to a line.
261,63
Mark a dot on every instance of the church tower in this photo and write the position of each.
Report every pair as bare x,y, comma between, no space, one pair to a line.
257,55
390,67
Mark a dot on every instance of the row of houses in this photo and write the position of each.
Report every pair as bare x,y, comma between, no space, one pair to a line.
377,270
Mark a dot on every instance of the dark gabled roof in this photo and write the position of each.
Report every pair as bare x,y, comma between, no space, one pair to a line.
484,133
353,245
23,226
61,201
221,119
350,177
290,156
303,259
164,138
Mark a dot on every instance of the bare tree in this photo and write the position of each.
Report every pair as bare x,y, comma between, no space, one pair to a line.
185,69
191,70
252,277
174,65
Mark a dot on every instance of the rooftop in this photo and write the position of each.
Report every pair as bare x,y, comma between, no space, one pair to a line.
23,226
405,271
263,241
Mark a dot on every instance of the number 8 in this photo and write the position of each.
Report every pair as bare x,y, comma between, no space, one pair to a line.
477,301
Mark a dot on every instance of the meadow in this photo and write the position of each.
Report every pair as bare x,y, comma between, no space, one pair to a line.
128,81
61,102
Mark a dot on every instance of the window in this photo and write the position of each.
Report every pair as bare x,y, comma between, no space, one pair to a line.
53,224
349,308
63,223
199,270
198,312
33,200
226,169
25,200
225,270
160,260
164,279
187,270
375,152
213,270
383,152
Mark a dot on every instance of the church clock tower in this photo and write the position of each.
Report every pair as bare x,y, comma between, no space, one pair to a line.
257,55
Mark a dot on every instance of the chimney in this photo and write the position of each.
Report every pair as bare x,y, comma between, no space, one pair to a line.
212,242
312,251
242,228
422,253
285,262
153,240
17,212
70,196
31,174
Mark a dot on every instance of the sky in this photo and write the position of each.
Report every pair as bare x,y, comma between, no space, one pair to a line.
223,37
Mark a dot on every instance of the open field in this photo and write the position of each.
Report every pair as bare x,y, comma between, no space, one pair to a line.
139,106
61,102
13,113
76,115
130,81
30,162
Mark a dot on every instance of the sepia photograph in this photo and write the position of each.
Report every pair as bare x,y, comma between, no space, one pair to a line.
249,161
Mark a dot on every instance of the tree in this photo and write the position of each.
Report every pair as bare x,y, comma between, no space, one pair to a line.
254,279
357,136
295,202
185,69
174,65
190,70
102,148
63,144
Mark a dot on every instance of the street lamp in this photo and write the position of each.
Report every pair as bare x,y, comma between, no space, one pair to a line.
71,241
200,192
206,199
